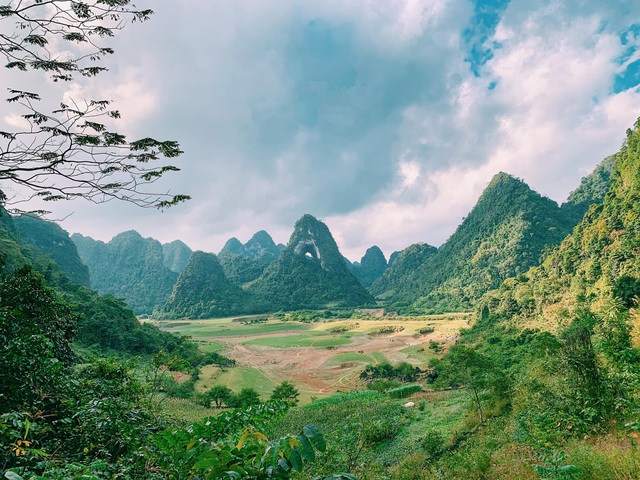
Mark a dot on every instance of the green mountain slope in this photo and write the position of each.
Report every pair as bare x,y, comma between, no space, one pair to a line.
51,239
203,291
310,273
503,236
371,266
176,255
245,263
599,260
399,280
129,267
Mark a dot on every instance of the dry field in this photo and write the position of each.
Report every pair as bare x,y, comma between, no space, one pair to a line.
320,358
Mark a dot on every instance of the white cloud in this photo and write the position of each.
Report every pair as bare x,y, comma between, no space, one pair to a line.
363,113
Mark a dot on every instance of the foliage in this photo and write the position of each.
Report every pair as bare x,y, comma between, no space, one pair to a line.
71,151
404,391
285,392
310,273
402,371
203,291
36,330
218,394
246,397
129,267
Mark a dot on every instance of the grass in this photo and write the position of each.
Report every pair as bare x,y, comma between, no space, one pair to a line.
236,379
305,340
185,411
228,329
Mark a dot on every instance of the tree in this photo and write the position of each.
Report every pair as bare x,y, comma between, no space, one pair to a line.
219,394
465,366
36,331
244,398
71,151
286,392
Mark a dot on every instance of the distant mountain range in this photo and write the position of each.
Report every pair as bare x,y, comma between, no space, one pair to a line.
504,235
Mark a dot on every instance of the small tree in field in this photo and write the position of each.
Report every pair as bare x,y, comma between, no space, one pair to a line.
286,392
218,394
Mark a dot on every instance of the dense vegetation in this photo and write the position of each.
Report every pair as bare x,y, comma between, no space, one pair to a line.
203,291
503,236
52,240
129,267
371,266
310,273
176,255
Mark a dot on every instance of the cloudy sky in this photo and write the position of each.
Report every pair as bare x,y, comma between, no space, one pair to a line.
384,118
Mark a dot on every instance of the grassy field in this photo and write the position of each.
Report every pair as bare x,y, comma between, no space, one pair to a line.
318,358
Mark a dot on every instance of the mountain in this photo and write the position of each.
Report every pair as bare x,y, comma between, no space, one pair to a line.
240,269
176,255
592,189
245,263
597,262
203,291
16,252
129,267
400,277
310,273
371,266
392,258
51,239
502,236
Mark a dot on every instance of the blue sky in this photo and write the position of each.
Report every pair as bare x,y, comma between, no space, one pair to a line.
384,118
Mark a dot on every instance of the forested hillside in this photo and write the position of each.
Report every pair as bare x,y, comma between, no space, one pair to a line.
129,267
244,263
51,239
310,273
600,260
503,236
371,266
203,291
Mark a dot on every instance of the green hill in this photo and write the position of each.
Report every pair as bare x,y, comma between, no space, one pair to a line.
371,266
310,273
51,239
245,263
203,291
502,236
598,261
129,267
176,255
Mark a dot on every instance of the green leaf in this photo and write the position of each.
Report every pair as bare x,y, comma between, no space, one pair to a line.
315,437
306,449
12,476
296,460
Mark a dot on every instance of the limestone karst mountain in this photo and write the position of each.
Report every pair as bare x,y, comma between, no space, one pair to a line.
371,266
130,267
202,290
176,255
310,273
51,239
503,236
597,262
244,263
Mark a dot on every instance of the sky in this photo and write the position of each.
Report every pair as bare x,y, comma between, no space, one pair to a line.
385,119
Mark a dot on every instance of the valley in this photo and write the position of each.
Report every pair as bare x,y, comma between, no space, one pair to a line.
319,358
